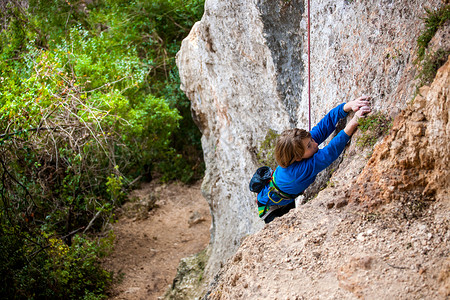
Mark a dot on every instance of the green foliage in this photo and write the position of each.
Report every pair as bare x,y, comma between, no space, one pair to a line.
433,21
372,128
89,100
75,269
114,185
155,29
428,62
40,266
185,141
266,151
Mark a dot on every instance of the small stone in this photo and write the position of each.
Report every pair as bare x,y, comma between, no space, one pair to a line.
422,227
341,203
366,262
417,116
360,237
195,218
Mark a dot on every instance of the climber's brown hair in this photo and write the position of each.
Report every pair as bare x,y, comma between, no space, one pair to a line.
289,147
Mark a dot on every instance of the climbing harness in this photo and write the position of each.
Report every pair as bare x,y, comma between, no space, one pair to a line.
273,188
265,210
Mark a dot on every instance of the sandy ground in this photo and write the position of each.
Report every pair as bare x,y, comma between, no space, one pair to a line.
150,244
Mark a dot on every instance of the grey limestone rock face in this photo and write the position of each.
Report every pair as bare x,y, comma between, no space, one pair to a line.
243,67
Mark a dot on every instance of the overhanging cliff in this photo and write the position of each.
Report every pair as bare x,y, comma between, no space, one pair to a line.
243,68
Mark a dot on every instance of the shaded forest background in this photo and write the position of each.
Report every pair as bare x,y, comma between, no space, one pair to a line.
89,106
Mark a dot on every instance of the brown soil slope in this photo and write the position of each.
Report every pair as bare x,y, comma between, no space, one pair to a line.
150,244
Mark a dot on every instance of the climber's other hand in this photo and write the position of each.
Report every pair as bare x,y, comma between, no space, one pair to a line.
363,111
353,124
356,104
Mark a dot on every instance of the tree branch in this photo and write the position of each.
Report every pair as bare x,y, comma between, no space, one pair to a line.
7,135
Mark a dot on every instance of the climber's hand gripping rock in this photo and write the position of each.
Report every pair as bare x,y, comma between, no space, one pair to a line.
356,104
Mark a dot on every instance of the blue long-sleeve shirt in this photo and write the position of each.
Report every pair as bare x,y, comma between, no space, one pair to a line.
299,175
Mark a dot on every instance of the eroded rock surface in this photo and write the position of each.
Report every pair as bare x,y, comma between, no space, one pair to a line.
243,68
412,163
360,250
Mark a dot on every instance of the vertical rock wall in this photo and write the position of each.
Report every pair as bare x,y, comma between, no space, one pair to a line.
229,75
243,68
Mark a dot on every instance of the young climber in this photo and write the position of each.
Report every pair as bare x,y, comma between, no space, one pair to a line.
300,159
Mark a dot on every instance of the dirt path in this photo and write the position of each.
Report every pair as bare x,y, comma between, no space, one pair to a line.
149,245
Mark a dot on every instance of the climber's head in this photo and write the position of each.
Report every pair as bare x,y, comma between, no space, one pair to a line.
294,145
310,146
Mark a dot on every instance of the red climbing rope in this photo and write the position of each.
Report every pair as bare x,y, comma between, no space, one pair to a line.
309,66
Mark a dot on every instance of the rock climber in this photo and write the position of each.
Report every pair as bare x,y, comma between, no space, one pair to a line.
300,159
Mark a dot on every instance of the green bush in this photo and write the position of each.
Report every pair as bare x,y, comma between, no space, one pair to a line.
39,266
156,28
433,21
372,128
428,62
